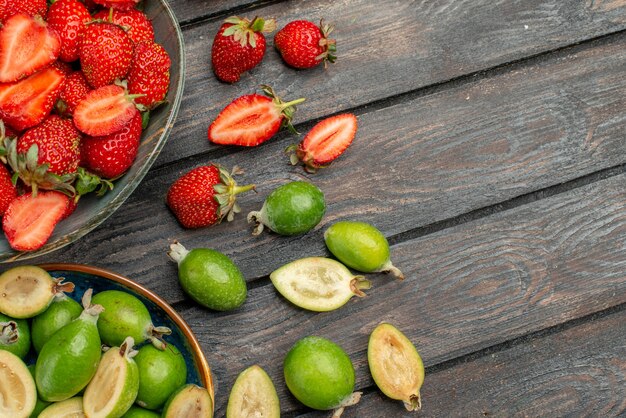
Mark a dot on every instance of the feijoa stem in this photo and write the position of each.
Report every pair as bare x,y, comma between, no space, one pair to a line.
390,268
353,399
8,332
358,283
90,311
177,252
259,218
155,335
414,403
126,348
62,287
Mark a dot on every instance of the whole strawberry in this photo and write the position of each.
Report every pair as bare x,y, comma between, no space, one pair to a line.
74,91
139,26
303,44
204,196
10,8
117,4
149,74
112,155
239,46
7,189
105,52
68,19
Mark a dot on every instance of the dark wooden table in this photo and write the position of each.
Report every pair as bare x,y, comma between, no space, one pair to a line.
491,151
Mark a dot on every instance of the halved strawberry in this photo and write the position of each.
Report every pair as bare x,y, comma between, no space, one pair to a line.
325,141
30,220
68,19
104,111
27,44
252,119
27,102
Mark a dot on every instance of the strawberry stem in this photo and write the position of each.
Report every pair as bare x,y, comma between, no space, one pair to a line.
242,189
284,106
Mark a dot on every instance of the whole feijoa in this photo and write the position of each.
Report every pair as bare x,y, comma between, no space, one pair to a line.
137,412
15,336
291,209
209,277
61,312
360,246
320,374
161,372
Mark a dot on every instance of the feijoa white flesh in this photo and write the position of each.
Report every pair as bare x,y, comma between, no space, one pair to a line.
69,408
396,366
18,394
190,401
253,395
317,283
27,291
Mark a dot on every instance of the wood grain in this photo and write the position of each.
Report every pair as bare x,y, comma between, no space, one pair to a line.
467,288
577,372
191,10
411,164
385,48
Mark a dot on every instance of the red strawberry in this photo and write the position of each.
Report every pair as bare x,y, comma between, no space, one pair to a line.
325,142
112,155
74,91
205,196
149,73
251,120
117,4
303,44
68,19
10,8
104,111
26,103
7,189
105,52
58,144
27,44
239,46
138,25
30,220
63,67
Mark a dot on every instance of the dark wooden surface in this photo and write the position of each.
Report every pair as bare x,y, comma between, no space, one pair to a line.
490,151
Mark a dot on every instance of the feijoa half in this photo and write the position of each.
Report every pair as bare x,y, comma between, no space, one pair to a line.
61,312
27,291
318,283
18,394
396,366
253,395
190,401
360,246
14,335
69,408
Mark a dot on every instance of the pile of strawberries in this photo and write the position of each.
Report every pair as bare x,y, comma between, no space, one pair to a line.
77,82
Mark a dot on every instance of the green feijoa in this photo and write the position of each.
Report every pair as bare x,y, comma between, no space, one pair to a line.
18,394
161,372
137,412
61,312
209,277
253,395
27,291
41,404
320,375
360,246
291,209
69,408
125,315
190,401
14,335
70,358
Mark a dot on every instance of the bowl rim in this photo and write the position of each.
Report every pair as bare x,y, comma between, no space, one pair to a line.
199,357
133,183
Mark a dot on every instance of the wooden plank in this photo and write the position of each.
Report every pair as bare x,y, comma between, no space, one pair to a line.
578,372
468,287
189,10
385,48
412,164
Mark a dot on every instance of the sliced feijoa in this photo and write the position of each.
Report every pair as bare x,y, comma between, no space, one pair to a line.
253,395
28,290
190,401
317,283
396,366
69,408
18,394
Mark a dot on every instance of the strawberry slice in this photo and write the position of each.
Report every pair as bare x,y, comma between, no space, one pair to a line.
26,45
104,111
30,220
325,142
252,119
26,103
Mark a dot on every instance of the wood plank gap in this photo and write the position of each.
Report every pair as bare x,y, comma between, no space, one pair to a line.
200,20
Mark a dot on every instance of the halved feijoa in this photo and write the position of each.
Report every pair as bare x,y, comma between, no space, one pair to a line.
396,366
318,283
28,290
253,395
113,389
69,408
14,335
18,394
190,401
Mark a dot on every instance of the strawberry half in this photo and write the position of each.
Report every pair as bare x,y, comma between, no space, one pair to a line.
68,19
138,25
10,8
7,189
204,196
27,44
30,220
252,119
326,141
104,111
26,103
